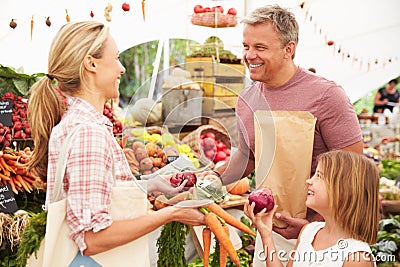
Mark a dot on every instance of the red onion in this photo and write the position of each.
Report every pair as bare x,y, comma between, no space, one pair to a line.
263,198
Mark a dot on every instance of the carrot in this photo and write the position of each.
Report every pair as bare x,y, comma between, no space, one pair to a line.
32,22
67,18
28,179
223,256
143,10
6,167
23,183
13,164
10,157
4,177
13,188
20,171
215,226
206,244
229,219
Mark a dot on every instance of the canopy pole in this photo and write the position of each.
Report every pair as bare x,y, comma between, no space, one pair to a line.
155,69
166,54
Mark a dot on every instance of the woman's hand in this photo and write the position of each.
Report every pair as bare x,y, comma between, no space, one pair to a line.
187,211
163,185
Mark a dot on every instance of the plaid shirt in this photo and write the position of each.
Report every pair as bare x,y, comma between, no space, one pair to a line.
88,178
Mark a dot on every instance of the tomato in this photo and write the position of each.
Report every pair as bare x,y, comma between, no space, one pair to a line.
210,135
198,9
220,145
210,154
220,156
217,9
232,11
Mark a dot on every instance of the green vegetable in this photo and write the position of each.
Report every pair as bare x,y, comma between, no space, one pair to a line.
391,169
388,239
31,237
171,245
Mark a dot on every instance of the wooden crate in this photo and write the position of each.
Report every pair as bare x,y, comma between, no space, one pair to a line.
182,106
212,68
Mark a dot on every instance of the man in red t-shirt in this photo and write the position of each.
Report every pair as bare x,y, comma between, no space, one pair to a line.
270,37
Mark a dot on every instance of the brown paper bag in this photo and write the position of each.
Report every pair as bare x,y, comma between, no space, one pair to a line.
283,155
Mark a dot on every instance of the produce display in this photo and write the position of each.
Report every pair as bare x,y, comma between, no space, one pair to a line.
214,16
216,222
147,152
213,47
213,148
20,129
14,173
211,143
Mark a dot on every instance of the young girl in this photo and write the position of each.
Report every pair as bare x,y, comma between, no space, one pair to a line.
345,191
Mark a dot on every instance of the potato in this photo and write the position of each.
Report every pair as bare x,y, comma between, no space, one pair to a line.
146,164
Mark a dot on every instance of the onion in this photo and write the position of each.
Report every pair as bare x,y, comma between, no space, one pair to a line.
178,178
263,198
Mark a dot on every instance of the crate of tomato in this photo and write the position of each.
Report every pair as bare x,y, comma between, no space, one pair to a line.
212,144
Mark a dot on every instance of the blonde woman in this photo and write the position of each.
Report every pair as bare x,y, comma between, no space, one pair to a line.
84,64
345,191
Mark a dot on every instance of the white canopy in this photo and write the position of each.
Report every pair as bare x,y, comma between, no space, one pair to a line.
365,33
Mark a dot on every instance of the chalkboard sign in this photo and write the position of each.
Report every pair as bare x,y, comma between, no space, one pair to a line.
8,204
6,112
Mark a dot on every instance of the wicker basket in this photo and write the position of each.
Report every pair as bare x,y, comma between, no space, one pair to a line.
193,140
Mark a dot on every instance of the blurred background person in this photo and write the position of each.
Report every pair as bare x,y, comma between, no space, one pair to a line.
387,97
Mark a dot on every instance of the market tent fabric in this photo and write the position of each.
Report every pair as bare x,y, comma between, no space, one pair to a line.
364,35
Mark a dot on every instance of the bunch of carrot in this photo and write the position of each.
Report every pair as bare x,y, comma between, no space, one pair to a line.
216,222
13,171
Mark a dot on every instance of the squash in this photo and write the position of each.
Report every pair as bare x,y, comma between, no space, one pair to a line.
146,110
240,187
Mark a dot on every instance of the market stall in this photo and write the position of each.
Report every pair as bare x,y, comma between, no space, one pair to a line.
156,145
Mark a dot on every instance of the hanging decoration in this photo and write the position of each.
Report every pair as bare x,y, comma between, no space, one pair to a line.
48,22
91,14
13,24
337,48
67,18
107,11
32,22
126,7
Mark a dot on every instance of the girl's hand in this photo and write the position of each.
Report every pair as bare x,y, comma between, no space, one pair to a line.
262,220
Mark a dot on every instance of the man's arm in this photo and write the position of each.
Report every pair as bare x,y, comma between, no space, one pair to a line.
240,165
356,147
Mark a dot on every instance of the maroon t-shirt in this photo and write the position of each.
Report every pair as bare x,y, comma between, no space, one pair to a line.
337,125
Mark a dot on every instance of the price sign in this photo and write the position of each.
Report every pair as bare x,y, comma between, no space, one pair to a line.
6,112
172,158
8,204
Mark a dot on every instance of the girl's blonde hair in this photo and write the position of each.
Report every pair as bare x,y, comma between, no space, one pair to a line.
352,182
71,44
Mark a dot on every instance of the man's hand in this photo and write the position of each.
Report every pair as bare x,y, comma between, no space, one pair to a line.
294,226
